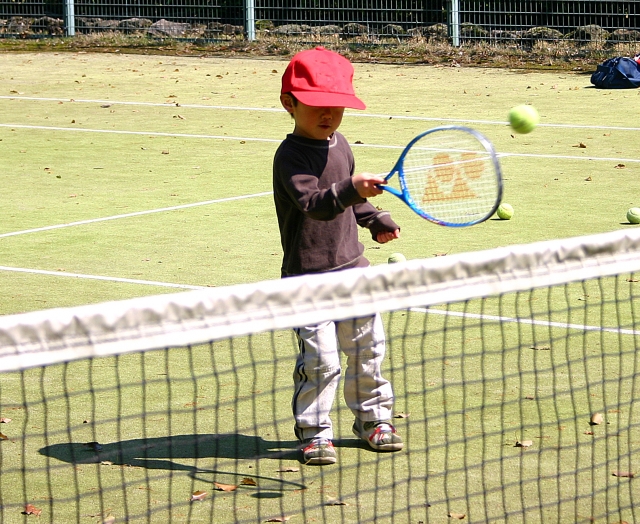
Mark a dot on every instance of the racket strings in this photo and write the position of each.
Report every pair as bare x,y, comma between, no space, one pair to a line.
450,176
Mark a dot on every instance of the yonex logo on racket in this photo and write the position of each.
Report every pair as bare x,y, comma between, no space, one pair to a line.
449,177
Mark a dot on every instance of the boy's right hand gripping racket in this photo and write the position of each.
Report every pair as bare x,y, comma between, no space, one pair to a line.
450,176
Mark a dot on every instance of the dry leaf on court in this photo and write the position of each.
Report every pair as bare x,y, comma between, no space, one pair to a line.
620,166
524,443
248,481
335,502
401,415
225,487
597,419
5,420
109,519
625,474
458,516
30,509
198,495
3,437
279,519
288,469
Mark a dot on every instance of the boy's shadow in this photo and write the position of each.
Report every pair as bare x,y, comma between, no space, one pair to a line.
171,453
166,452
161,452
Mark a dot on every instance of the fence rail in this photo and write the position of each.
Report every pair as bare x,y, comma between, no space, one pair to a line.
455,21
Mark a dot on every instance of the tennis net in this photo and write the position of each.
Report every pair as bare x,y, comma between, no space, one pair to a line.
515,371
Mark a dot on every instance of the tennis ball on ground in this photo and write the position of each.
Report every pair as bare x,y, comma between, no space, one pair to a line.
523,119
396,257
633,215
505,212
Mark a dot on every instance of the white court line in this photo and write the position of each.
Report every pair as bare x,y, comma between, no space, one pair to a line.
617,160
280,110
95,277
145,133
580,327
278,140
134,214
151,104
488,122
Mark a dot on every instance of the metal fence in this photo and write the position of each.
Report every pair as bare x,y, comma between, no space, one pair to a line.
457,21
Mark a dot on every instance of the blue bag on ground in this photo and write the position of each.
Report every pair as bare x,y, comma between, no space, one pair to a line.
617,73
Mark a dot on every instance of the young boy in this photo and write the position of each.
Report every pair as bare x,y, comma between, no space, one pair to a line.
319,203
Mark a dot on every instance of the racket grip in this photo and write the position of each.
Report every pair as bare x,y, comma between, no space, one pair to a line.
391,190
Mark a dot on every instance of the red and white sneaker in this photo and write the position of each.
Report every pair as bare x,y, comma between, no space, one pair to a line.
379,434
319,452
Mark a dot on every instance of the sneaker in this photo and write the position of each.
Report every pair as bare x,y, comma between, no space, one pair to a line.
319,452
379,434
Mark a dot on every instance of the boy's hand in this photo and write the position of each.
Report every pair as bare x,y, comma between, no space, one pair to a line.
367,184
386,236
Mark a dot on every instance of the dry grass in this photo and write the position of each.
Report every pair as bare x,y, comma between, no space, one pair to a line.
550,55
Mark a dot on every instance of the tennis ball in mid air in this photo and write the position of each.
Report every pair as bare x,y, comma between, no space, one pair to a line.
505,212
396,257
633,215
523,119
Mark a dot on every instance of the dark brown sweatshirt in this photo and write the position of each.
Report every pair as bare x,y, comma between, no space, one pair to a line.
319,208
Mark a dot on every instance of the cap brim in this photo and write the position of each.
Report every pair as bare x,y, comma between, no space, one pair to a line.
315,99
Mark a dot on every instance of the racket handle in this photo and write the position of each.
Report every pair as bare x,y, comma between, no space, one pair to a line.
391,190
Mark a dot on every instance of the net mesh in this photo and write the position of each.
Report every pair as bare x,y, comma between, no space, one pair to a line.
515,372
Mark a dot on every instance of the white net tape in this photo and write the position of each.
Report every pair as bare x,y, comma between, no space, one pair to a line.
193,317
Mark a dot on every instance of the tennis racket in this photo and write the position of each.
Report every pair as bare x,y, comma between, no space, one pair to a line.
450,176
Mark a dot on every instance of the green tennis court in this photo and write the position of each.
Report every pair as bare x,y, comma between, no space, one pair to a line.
128,176
103,136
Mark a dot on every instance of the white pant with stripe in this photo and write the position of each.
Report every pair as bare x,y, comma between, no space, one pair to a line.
318,372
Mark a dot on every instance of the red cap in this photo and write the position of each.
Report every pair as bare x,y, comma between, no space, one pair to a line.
321,78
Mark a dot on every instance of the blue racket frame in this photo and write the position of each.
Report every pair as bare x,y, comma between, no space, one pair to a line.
405,196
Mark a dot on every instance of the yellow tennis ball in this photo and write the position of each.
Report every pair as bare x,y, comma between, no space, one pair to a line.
633,215
396,257
505,212
523,119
